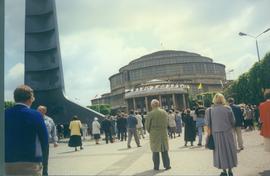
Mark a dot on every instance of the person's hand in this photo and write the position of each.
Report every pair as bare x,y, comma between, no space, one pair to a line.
55,145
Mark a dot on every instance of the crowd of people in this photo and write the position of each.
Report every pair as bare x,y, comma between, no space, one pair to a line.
29,132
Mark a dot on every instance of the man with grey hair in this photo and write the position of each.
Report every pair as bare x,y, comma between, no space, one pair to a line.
52,134
156,125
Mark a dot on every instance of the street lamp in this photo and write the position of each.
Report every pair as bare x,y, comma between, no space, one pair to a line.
229,72
257,47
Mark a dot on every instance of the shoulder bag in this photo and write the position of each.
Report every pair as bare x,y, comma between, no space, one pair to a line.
210,140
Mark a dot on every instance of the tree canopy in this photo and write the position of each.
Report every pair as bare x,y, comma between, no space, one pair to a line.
104,109
250,86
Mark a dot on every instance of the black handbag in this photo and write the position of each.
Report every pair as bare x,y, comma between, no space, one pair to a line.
210,140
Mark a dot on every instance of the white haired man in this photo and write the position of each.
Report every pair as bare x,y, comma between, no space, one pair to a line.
156,125
52,134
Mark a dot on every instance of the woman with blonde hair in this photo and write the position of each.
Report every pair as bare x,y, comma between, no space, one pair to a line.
220,121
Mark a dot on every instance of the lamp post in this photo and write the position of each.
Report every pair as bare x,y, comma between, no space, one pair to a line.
257,47
229,73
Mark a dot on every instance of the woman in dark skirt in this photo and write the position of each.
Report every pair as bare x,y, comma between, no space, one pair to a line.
190,127
75,139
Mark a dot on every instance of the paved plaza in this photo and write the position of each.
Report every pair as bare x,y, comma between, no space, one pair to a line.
116,159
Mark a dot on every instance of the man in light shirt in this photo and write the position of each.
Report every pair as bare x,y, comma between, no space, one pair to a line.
51,128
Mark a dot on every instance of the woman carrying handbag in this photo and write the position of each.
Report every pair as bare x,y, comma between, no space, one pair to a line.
220,121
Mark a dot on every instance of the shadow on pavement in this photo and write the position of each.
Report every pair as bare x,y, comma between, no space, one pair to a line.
124,149
68,152
149,172
265,173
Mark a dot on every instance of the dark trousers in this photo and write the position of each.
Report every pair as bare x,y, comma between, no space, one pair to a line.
108,135
45,155
123,134
165,159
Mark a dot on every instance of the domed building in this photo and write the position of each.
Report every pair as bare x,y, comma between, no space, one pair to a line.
170,76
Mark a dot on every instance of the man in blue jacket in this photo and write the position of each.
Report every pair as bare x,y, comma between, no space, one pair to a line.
131,128
238,122
26,136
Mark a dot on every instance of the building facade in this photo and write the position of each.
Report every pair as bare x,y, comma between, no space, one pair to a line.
171,74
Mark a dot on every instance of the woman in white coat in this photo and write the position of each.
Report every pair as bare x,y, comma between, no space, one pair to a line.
96,130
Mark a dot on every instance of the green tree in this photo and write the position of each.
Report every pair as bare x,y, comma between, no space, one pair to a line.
249,87
9,104
104,109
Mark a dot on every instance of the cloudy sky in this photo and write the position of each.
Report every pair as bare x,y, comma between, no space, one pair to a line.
97,37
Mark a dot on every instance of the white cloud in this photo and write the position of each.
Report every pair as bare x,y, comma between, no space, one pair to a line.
13,78
17,71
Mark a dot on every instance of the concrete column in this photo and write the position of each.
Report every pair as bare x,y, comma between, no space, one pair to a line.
146,104
174,102
160,103
184,101
134,104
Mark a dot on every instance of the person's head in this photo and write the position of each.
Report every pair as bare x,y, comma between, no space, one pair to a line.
131,111
188,111
267,94
96,119
170,111
24,94
75,118
154,103
42,110
231,100
219,99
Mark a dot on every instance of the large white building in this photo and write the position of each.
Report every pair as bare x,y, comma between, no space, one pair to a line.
166,75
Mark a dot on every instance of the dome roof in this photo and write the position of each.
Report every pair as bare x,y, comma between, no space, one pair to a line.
164,54
165,57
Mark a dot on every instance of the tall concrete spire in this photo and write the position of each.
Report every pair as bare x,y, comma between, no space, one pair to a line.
43,63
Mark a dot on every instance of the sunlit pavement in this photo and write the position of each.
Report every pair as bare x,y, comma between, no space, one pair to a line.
116,159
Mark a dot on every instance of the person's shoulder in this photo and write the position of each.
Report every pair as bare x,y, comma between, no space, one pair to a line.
49,119
265,103
207,109
227,107
31,112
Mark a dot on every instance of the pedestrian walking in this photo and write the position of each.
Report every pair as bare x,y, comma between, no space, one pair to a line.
60,131
172,124
75,139
190,129
265,120
249,116
156,125
139,125
66,130
96,130
143,122
84,131
200,122
122,125
52,134
26,136
238,123
178,121
107,126
222,127
131,128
